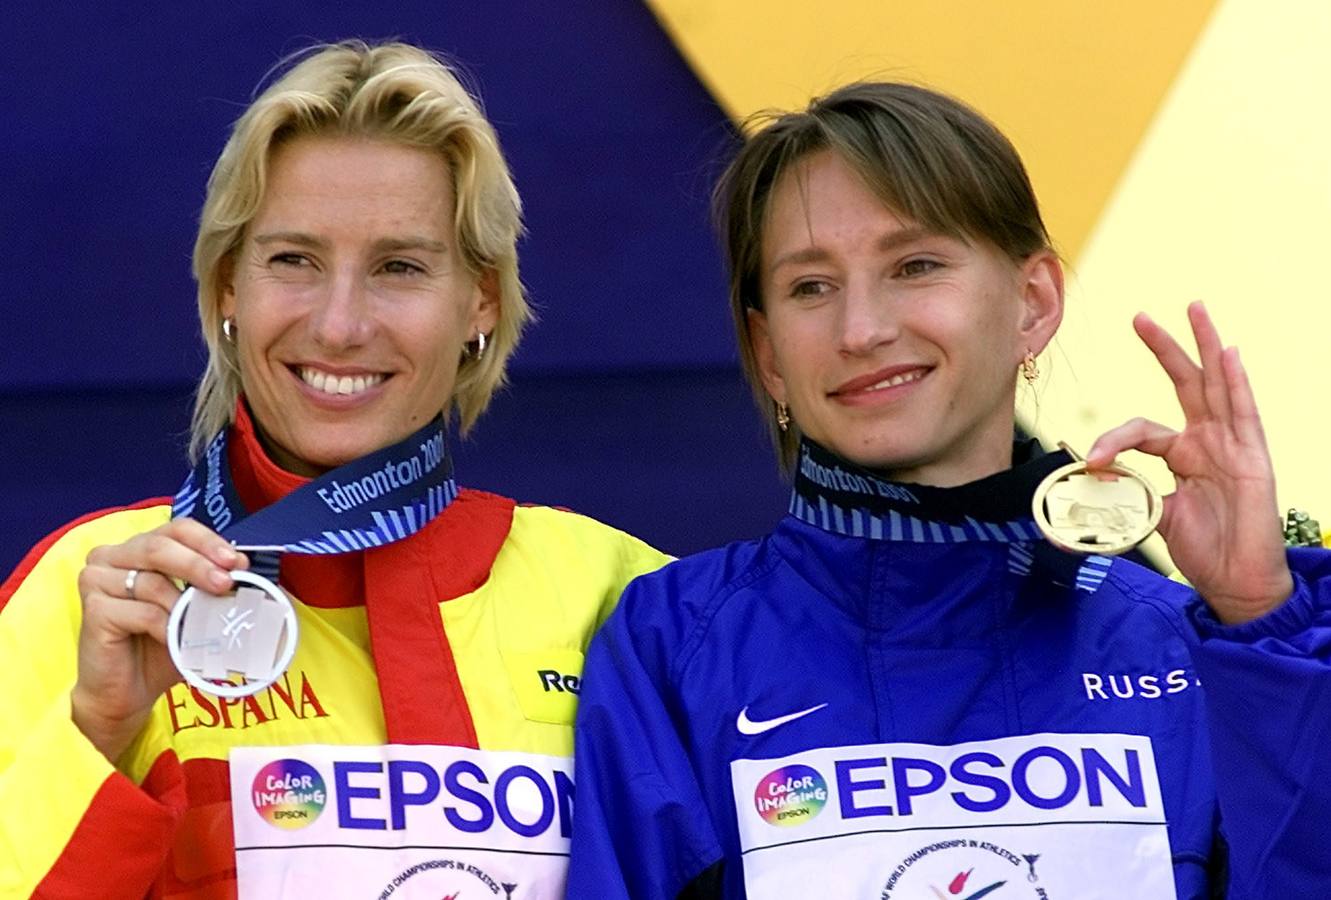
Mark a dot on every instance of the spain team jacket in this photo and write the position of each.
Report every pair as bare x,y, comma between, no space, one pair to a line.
904,692
469,634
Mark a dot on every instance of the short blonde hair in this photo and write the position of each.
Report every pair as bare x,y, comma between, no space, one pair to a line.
394,92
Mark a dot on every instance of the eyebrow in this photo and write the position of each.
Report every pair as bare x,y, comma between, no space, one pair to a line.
411,242
289,237
383,245
886,243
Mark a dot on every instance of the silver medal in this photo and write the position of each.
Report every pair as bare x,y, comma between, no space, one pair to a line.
251,634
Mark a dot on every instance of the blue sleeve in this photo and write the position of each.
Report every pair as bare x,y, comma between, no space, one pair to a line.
640,825
1268,695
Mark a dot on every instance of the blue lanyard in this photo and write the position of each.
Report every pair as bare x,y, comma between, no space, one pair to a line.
380,498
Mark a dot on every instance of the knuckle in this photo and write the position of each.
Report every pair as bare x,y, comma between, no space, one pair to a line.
94,605
160,591
156,546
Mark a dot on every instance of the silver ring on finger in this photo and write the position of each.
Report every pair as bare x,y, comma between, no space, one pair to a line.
130,577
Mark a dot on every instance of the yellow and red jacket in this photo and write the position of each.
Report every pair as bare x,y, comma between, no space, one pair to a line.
448,637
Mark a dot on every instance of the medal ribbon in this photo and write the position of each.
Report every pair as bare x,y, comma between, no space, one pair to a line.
372,502
378,499
836,495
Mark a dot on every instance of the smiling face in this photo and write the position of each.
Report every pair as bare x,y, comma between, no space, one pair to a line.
350,299
894,347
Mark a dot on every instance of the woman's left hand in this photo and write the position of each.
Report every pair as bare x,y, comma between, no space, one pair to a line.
1221,524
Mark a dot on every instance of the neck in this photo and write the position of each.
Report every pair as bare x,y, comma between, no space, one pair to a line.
984,452
284,458
946,475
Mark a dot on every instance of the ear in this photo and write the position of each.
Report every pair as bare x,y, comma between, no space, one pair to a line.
760,340
226,285
1042,301
485,316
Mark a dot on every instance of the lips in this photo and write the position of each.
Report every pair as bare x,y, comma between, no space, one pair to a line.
893,376
338,384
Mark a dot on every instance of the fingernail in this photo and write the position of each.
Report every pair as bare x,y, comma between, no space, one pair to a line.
226,554
219,579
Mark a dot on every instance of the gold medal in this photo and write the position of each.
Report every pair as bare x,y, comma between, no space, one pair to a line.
1107,511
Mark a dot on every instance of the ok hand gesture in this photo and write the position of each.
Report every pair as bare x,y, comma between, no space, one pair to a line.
1221,523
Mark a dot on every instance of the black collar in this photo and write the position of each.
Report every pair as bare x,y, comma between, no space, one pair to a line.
840,496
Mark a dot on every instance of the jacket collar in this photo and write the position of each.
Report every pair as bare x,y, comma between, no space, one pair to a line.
838,496
885,549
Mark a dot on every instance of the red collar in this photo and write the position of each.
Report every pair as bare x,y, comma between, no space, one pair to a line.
401,586
323,581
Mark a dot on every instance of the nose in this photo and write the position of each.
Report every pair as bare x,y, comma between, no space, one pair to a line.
868,319
343,319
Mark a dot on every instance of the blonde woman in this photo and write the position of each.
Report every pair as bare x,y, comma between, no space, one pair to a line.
358,284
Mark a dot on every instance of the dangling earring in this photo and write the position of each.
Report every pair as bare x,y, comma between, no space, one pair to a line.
1030,370
782,417
229,330
480,347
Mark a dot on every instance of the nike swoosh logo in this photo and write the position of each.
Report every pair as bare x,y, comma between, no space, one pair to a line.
750,727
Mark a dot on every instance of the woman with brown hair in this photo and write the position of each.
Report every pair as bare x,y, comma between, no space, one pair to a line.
904,690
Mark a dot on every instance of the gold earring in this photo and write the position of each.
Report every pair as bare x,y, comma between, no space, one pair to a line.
1030,370
229,330
782,417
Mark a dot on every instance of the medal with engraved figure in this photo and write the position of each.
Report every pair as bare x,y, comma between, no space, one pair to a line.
250,634
235,645
1104,511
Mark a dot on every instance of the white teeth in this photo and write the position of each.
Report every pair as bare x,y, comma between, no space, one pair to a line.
897,379
334,384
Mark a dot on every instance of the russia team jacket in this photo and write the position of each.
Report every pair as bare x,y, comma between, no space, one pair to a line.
903,692
470,633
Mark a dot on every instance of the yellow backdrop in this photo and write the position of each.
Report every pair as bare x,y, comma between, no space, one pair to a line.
1180,151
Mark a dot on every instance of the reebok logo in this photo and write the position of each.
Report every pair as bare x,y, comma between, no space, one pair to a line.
553,680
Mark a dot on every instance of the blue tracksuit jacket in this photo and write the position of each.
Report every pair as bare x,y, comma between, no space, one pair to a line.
943,703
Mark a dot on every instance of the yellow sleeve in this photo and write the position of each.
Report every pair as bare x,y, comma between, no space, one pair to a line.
55,787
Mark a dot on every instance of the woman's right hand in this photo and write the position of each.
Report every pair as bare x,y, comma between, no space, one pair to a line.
123,662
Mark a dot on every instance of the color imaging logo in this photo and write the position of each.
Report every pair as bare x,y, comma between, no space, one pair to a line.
792,795
288,794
